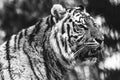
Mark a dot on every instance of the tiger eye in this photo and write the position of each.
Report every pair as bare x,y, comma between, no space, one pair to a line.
70,20
84,26
78,29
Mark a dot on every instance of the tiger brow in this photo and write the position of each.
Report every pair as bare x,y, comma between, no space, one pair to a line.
77,14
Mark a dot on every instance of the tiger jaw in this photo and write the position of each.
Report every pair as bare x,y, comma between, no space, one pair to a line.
82,52
87,51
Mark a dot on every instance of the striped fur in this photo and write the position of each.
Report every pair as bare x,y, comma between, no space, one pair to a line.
52,48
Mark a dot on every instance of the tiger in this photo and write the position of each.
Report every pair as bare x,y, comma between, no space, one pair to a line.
65,42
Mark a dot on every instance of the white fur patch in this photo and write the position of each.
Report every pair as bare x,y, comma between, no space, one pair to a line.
59,8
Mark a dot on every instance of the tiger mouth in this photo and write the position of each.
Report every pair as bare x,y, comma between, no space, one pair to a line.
88,52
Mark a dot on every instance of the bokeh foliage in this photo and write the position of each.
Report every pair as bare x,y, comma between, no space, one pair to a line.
18,14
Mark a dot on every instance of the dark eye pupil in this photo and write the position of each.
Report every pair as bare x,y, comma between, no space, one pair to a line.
70,20
82,26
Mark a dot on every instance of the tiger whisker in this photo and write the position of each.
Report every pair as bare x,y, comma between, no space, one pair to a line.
79,51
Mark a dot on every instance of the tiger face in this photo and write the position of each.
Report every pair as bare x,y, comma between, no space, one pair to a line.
75,36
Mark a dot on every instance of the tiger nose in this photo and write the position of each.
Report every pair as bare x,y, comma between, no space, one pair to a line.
99,40
95,41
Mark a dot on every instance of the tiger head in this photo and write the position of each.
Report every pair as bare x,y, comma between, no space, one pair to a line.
75,35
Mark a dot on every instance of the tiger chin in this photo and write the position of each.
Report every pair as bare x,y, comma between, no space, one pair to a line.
57,45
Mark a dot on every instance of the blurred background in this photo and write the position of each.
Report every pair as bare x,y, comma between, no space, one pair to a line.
18,14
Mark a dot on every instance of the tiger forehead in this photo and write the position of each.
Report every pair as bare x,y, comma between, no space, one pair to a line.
76,13
77,10
81,17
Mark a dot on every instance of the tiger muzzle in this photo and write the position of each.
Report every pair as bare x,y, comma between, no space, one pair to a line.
90,50
96,42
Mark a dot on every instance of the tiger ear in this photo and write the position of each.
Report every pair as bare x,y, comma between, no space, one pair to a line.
81,7
58,11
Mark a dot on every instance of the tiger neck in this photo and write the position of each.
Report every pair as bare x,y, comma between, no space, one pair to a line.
54,69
